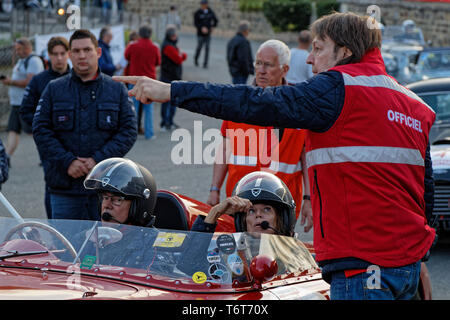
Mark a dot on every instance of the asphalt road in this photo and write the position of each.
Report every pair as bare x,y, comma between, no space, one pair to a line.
25,187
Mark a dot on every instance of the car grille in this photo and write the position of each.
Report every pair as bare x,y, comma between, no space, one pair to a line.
441,200
442,205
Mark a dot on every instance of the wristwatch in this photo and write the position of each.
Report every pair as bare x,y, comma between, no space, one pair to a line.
214,188
306,197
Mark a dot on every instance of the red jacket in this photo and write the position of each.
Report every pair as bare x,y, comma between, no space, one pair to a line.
143,57
367,171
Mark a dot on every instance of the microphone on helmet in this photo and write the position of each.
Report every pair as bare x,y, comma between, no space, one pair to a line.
108,217
265,225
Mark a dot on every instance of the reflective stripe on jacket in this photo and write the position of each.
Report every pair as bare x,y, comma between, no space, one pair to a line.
249,151
367,171
286,163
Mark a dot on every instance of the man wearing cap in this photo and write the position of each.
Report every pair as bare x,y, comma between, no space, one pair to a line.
204,19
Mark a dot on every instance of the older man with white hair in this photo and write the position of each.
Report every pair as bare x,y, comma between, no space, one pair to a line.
280,154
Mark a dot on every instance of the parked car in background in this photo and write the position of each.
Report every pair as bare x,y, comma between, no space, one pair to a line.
432,63
400,60
401,45
436,93
404,35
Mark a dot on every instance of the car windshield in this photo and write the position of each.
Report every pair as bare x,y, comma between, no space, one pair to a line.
434,60
396,33
440,102
148,254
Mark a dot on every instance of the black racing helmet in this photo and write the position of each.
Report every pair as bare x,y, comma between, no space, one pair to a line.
128,179
265,187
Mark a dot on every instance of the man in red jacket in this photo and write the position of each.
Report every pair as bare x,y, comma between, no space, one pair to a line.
368,155
143,57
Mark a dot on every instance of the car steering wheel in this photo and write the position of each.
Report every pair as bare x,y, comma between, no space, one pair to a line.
45,227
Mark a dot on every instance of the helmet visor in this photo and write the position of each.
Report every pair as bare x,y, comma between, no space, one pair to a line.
263,186
117,175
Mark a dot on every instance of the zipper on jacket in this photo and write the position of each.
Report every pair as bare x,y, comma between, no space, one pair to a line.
320,202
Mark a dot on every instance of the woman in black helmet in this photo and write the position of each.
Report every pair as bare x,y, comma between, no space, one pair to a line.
127,191
261,203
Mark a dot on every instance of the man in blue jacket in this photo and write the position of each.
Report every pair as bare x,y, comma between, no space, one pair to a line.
82,119
239,55
58,51
106,62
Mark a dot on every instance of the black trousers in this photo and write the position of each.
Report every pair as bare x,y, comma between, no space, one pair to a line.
202,41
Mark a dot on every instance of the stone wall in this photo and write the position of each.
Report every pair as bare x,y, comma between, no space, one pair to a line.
432,17
227,11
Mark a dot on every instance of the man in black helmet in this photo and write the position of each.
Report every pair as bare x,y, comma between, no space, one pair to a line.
127,191
261,203
127,194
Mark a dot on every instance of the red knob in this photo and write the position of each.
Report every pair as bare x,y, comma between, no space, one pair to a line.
263,267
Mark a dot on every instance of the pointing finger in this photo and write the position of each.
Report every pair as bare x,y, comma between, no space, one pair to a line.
126,79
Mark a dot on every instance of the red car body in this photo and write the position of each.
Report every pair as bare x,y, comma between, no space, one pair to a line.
45,276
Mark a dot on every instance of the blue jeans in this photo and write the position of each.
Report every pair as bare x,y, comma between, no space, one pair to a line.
398,283
75,207
167,114
148,116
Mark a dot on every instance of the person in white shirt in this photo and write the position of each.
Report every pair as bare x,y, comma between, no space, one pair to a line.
299,70
173,17
26,67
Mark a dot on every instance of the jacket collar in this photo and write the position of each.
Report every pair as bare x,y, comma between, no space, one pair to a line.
100,42
54,73
75,77
373,56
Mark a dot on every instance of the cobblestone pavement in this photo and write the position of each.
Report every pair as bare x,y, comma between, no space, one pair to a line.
25,187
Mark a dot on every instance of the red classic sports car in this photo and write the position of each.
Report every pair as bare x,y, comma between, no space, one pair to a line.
68,259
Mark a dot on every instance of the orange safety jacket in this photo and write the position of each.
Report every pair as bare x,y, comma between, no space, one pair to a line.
286,163
255,148
249,150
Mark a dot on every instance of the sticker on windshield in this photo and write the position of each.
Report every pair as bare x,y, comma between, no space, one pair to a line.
219,273
88,262
169,240
213,256
226,243
236,264
199,277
